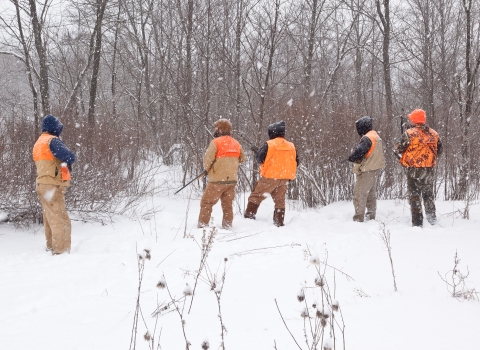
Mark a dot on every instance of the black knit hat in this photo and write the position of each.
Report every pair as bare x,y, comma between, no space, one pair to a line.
276,130
364,125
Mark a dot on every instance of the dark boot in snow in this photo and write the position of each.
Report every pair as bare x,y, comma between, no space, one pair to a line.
417,219
358,218
278,217
251,211
431,218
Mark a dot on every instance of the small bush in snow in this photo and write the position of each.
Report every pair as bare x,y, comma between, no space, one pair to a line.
456,283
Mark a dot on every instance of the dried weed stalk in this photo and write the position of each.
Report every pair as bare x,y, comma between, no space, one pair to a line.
385,235
322,319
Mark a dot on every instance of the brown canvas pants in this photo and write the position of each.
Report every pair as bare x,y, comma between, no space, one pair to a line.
365,195
56,222
214,192
276,188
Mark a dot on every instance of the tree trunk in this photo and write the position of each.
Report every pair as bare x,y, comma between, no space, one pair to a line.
42,57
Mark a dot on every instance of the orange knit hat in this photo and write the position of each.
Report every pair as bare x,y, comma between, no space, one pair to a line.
418,116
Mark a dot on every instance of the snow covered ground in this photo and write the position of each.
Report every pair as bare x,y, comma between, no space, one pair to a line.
86,300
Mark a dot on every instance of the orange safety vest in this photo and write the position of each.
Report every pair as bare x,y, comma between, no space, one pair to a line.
422,150
227,146
281,160
41,151
372,135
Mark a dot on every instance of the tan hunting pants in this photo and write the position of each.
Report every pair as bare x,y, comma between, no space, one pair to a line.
214,192
55,217
365,195
276,188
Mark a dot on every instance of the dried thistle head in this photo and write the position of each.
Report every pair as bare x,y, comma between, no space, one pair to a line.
319,281
323,322
335,305
205,344
328,344
304,313
187,291
301,295
162,283
147,254
314,259
147,336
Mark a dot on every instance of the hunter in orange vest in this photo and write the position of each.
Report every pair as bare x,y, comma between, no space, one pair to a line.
368,161
221,161
279,159
53,160
419,147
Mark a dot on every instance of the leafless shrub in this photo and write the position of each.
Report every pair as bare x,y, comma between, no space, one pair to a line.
456,282
385,235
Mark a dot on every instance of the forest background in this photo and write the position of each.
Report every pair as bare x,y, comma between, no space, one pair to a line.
138,84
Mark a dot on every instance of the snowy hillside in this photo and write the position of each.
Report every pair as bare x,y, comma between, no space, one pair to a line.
87,300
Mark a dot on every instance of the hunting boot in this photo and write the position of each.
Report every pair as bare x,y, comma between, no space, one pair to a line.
251,211
278,217
417,219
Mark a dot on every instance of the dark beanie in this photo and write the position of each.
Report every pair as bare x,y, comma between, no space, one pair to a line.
276,130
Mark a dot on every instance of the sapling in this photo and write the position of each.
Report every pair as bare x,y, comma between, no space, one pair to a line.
384,234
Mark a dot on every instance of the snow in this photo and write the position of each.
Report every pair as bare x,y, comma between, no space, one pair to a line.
87,300
48,195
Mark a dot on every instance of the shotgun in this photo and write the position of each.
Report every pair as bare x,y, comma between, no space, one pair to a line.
198,177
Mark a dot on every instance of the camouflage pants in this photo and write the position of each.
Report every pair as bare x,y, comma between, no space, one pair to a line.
420,186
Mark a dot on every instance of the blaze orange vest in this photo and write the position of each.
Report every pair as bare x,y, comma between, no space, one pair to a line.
281,160
227,146
422,150
372,135
41,151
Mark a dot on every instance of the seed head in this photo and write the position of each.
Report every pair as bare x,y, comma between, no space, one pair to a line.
314,259
205,344
319,281
328,344
301,295
162,283
147,254
147,336
304,313
335,305
187,291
